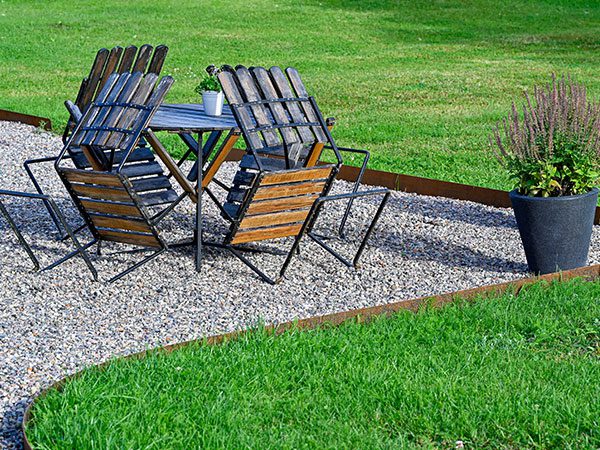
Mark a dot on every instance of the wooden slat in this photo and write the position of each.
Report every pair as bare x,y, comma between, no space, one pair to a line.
237,194
296,175
140,170
111,208
79,176
284,89
158,59
261,234
301,91
114,113
244,178
142,59
137,155
128,58
251,92
278,218
91,82
229,84
140,121
151,184
158,198
269,164
144,240
101,193
280,204
290,135
118,223
288,190
111,65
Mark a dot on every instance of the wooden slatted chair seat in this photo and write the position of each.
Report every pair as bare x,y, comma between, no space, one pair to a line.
277,204
111,207
283,204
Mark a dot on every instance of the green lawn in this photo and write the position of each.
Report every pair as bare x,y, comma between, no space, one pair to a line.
418,83
512,372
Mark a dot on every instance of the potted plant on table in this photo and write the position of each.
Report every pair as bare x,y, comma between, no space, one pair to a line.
212,97
552,151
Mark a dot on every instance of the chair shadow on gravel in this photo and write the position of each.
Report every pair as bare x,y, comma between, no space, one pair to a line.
432,209
451,254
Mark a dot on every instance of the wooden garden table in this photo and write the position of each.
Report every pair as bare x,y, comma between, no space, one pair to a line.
187,120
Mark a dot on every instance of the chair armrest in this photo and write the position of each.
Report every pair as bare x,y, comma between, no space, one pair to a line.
74,111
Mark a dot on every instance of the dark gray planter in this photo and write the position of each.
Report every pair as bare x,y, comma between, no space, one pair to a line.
555,231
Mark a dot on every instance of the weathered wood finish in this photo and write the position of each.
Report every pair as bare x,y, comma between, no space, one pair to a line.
277,204
275,115
110,207
118,60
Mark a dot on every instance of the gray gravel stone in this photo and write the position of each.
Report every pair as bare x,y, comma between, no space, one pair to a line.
55,323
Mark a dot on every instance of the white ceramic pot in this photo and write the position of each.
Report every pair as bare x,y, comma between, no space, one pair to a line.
213,102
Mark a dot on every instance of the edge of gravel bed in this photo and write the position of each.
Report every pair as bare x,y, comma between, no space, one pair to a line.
362,315
28,119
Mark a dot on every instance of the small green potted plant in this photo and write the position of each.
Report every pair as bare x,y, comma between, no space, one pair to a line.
552,151
212,97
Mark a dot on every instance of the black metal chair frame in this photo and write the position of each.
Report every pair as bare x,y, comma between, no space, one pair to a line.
51,206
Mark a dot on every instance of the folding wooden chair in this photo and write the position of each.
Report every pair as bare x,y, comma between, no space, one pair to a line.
114,205
285,203
109,62
280,121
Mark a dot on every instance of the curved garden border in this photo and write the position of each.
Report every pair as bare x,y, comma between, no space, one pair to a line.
395,181
361,315
36,121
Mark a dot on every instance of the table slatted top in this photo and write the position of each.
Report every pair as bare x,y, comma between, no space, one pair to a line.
191,118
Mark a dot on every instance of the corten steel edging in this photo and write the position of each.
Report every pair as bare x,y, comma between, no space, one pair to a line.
423,186
28,119
362,315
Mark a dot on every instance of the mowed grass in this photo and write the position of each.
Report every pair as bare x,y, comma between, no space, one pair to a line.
417,83
510,372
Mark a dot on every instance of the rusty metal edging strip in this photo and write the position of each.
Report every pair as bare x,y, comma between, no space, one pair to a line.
362,315
423,186
28,119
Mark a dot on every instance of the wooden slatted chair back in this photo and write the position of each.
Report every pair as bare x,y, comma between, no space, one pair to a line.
110,207
275,113
106,137
118,60
278,203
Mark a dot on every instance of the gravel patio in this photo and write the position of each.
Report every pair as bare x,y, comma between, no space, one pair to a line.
54,323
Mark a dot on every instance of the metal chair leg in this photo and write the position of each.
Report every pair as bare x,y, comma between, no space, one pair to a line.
38,188
137,265
20,237
78,246
363,168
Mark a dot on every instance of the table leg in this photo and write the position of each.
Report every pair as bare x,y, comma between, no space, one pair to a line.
199,206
